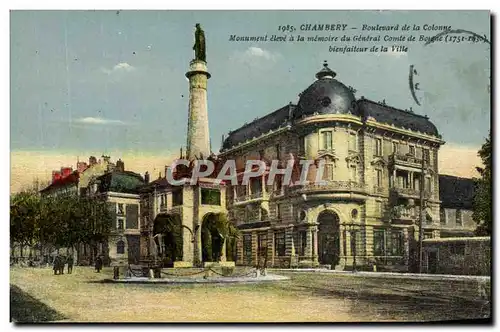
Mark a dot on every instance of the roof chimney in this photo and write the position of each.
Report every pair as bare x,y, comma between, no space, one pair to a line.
56,175
66,171
120,166
92,161
146,177
81,166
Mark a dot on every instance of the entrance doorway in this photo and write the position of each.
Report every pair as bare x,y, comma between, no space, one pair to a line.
328,238
212,240
432,262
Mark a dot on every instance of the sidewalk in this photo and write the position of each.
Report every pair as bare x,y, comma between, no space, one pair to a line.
395,275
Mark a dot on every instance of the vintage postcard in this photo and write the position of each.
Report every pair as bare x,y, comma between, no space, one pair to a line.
250,166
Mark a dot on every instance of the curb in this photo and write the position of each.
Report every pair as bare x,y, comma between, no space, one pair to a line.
413,276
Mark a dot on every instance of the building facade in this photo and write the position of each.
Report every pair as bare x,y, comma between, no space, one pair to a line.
367,212
120,190
457,196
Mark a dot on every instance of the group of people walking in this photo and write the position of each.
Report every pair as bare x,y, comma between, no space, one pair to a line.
60,262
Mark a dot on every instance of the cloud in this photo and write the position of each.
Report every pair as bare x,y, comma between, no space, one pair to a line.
98,121
256,54
119,68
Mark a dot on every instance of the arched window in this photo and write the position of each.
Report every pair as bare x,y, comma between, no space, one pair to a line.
120,247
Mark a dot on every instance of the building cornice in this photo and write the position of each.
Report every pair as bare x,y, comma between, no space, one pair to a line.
405,132
255,140
122,195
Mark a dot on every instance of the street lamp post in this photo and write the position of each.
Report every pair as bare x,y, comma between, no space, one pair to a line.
353,232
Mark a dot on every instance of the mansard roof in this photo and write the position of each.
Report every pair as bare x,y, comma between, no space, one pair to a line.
122,182
397,117
260,126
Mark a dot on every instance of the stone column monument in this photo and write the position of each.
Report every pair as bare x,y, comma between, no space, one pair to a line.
198,139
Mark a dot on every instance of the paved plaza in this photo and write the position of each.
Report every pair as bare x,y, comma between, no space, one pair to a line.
37,295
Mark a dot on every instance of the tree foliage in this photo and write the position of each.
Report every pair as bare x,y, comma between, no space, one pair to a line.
483,195
62,221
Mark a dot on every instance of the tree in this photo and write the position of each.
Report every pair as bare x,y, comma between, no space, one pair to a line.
61,221
482,214
24,218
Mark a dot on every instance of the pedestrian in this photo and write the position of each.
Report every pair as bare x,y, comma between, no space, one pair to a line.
70,264
56,265
98,264
62,262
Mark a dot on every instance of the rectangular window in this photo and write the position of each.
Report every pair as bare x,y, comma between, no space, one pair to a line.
379,242
459,218
428,235
279,243
427,185
378,147
262,245
278,151
397,243
278,211
132,216
120,209
302,243
120,224
302,146
162,200
426,155
326,138
177,197
328,172
379,178
354,173
278,184
442,216
247,248
256,186
412,150
395,147
210,196
352,142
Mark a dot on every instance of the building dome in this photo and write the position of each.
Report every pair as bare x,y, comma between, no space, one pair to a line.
325,96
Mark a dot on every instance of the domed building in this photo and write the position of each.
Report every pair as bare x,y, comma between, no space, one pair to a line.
369,156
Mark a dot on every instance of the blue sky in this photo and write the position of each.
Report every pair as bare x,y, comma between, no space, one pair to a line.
129,68
106,81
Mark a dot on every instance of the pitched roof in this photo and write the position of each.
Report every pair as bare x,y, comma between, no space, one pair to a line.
455,192
69,180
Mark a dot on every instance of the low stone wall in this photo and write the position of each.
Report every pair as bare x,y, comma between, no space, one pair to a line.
459,256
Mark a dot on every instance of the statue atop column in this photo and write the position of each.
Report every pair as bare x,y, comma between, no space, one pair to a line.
199,44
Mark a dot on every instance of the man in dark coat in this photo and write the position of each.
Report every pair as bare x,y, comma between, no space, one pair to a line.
70,264
56,265
62,262
98,264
